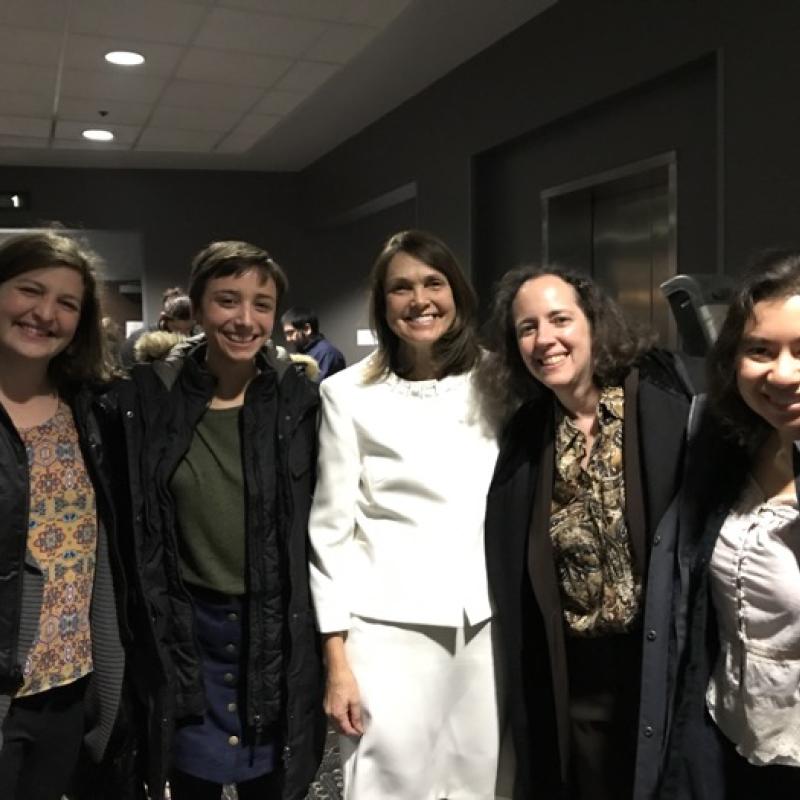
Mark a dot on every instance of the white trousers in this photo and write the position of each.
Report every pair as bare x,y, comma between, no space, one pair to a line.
430,704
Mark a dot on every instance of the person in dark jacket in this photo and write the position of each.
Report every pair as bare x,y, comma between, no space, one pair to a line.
302,334
61,657
221,442
589,464
736,731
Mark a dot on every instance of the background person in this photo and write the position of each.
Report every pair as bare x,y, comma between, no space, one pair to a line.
61,658
302,334
588,465
737,725
397,571
221,443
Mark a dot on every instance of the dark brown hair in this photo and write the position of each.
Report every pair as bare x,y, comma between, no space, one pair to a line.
85,359
457,350
221,259
772,275
616,346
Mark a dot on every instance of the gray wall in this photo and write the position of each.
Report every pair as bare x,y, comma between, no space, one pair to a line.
176,213
590,85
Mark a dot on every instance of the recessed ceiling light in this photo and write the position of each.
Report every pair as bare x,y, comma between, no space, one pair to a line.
98,135
125,58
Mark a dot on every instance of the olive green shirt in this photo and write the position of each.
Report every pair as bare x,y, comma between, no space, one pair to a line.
208,487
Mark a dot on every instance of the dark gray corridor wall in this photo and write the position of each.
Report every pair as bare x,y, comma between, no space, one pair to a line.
577,56
176,212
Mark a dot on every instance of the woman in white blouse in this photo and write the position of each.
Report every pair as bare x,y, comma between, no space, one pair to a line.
398,574
736,730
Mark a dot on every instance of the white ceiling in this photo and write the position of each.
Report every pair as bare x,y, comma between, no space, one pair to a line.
227,84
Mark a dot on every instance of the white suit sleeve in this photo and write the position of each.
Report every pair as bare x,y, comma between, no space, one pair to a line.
332,522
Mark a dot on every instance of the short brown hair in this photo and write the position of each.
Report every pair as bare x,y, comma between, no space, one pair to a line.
85,359
221,259
457,350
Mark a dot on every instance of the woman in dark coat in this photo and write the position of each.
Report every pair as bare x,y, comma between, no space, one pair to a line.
736,732
221,442
579,568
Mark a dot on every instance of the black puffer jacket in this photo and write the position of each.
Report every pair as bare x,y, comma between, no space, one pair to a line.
159,408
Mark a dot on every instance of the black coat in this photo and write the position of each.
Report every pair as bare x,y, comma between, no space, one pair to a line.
159,408
715,477
21,587
524,586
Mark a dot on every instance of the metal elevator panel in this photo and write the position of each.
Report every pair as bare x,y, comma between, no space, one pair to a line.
620,227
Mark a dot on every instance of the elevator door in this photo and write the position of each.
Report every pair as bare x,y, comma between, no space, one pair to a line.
621,229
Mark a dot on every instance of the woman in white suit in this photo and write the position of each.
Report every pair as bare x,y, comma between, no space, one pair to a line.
398,572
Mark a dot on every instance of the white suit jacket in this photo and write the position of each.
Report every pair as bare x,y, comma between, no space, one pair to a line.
397,522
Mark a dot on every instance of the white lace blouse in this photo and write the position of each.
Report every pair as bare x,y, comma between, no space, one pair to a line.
754,691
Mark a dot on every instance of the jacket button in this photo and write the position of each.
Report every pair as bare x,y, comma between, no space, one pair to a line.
648,731
651,635
230,648
129,414
229,678
233,741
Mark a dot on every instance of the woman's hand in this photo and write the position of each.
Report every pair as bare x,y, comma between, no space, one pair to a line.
342,699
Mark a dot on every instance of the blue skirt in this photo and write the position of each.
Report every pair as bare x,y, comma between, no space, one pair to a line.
215,749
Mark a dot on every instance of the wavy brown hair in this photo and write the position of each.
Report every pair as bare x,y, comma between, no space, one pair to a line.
616,345
457,351
772,275
85,360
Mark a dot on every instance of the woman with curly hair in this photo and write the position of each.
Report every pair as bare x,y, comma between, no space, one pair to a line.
589,463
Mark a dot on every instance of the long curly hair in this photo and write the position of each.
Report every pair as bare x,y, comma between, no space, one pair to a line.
615,344
772,275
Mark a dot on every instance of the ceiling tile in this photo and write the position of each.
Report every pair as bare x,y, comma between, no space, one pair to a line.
195,119
372,12
22,141
26,46
68,129
257,123
190,94
219,66
28,78
87,53
123,113
305,76
85,144
259,33
324,10
339,43
176,140
25,126
110,85
279,102
49,15
237,143
23,104
153,20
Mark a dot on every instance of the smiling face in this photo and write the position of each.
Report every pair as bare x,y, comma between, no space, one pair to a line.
237,313
39,313
554,337
768,364
420,307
